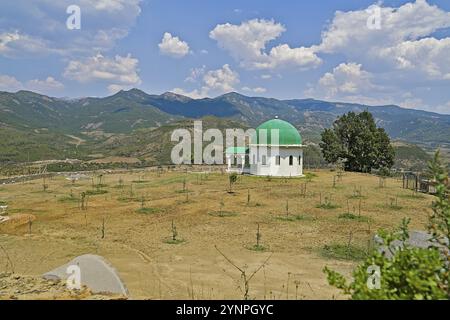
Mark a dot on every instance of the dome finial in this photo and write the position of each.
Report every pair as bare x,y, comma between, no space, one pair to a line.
276,117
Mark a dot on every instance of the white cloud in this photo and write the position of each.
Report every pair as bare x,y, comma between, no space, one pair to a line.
412,103
266,76
194,94
218,81
404,41
14,44
120,72
283,56
114,88
39,26
403,54
47,86
348,32
347,78
44,86
429,56
222,80
196,74
254,90
347,82
442,108
173,46
8,83
111,5
247,43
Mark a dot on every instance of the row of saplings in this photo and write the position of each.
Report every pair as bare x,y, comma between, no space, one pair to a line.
408,272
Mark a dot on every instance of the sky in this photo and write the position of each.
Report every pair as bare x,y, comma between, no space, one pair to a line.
361,51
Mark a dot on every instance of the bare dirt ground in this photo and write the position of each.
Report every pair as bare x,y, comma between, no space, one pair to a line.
138,210
17,287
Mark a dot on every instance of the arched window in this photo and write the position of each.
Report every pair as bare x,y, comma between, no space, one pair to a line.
277,160
291,160
264,160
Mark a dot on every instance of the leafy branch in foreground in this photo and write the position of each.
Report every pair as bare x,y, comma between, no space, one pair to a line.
409,272
439,222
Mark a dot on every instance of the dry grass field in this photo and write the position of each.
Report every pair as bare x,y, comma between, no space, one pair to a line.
129,219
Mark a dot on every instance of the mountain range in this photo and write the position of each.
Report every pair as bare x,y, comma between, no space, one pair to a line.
35,127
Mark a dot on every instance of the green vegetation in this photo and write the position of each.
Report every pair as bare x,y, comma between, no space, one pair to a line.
232,180
140,181
351,216
223,214
392,204
309,176
174,239
413,195
313,157
294,217
410,157
96,192
25,145
412,273
326,204
146,210
343,252
257,246
70,198
357,194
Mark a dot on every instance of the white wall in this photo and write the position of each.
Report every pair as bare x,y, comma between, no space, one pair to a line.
282,170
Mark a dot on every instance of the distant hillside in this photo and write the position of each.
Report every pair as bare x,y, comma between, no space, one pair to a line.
154,145
122,112
410,157
32,145
35,127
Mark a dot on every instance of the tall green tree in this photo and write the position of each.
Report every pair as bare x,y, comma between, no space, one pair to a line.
356,141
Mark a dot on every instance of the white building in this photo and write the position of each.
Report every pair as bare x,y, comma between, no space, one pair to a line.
276,151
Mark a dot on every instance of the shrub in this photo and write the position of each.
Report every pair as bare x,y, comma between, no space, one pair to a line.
257,246
351,216
232,180
411,273
95,192
327,204
148,210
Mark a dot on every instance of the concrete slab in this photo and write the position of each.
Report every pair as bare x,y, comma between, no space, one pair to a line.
417,239
96,273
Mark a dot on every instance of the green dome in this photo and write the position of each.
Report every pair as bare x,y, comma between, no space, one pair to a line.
288,134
